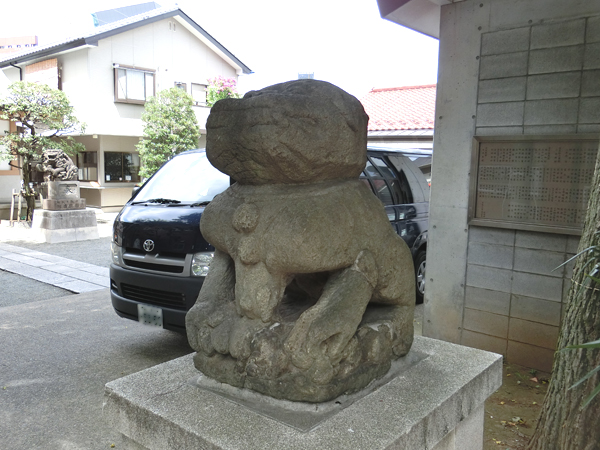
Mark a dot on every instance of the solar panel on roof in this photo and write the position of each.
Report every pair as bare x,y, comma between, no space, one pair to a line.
113,15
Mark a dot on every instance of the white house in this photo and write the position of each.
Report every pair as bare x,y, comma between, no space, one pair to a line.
107,75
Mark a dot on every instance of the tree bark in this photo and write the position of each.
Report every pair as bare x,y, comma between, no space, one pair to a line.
563,424
29,193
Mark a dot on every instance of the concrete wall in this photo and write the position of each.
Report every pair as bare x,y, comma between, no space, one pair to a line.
506,68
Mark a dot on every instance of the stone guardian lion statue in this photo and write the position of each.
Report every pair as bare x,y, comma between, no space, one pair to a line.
57,166
311,292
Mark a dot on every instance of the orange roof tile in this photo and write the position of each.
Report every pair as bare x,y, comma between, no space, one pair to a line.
401,108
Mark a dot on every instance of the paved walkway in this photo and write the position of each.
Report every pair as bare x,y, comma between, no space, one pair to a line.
74,276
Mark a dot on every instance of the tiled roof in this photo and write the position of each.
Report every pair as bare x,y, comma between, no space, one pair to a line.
401,108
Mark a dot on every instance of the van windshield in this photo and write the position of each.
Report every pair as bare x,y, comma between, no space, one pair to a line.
187,178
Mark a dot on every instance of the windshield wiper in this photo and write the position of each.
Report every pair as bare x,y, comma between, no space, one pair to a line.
162,201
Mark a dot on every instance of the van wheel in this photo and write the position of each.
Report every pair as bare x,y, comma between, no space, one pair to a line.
420,275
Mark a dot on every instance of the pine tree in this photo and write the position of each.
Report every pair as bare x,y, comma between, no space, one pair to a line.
43,119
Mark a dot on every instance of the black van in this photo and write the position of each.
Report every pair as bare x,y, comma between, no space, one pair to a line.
160,259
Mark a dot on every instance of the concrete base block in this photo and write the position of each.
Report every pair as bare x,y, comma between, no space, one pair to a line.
63,204
435,401
65,226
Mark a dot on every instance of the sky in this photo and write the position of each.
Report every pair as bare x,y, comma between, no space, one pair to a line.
345,42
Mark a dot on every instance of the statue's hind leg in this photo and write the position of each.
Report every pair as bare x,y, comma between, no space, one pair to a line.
322,335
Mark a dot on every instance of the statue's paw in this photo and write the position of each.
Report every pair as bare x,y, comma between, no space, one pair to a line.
203,341
268,360
315,336
242,335
375,345
221,334
318,350
296,345
351,358
398,329
209,327
321,372
198,330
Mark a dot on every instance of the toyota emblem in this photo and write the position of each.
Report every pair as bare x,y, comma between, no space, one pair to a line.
148,245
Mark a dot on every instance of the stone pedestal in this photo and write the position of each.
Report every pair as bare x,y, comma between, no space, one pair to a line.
62,196
432,399
65,226
63,189
63,204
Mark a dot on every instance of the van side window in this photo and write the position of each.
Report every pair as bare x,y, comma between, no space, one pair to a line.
379,184
405,188
399,191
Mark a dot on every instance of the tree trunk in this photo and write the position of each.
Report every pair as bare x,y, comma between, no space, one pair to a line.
28,192
563,425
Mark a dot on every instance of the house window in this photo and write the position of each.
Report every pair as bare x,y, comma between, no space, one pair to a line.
122,167
199,94
87,163
182,86
133,85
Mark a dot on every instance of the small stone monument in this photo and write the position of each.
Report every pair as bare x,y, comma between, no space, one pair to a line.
311,292
63,216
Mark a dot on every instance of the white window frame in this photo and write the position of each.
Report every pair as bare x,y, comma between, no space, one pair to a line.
125,77
204,87
181,85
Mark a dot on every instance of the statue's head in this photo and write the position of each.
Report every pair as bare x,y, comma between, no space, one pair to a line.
57,165
295,132
51,155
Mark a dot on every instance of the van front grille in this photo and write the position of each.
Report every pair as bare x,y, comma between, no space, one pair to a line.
175,300
163,262
152,266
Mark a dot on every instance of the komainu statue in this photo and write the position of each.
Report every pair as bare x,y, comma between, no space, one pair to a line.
57,166
311,292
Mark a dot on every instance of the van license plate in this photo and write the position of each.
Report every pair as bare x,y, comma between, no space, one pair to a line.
150,315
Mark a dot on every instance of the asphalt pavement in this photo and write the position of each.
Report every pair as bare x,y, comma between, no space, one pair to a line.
57,355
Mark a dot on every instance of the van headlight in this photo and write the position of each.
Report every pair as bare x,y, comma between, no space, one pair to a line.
201,263
115,252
